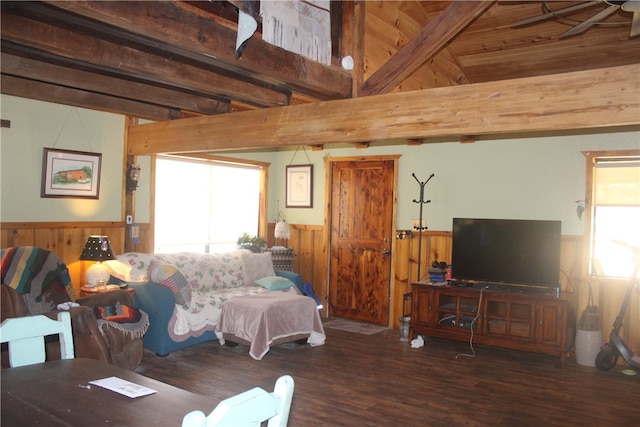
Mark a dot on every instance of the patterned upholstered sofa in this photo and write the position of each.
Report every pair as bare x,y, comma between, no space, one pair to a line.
183,293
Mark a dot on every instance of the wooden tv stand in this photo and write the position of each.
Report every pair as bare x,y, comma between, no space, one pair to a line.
515,320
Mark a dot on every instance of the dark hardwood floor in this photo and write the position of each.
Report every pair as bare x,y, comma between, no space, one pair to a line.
377,380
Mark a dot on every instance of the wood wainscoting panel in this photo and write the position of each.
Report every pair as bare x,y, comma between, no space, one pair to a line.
310,259
311,262
66,239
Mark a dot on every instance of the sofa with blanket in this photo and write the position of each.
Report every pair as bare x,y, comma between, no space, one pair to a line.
183,293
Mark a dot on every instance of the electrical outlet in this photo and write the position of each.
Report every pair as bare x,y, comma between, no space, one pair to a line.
417,224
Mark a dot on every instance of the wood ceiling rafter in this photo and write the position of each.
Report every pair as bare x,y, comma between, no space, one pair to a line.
433,37
113,59
84,81
24,88
199,37
535,104
207,42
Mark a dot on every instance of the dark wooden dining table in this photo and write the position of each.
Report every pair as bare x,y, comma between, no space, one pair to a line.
58,393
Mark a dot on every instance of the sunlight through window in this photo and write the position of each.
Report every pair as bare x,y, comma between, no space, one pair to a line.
204,206
615,219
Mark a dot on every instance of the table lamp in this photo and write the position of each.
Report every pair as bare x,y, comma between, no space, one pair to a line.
97,248
282,230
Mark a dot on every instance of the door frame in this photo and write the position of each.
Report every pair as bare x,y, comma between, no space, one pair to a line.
328,167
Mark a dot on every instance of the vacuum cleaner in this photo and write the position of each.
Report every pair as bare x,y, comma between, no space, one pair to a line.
609,352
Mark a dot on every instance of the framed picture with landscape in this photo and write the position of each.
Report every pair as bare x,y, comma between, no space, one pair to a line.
299,186
67,173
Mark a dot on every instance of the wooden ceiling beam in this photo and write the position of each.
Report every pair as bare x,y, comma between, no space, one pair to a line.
115,59
31,89
468,139
173,27
117,88
607,97
433,37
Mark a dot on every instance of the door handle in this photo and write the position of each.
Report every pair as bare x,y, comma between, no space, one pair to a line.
386,251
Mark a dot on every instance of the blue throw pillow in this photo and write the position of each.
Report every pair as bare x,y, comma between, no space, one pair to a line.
294,277
275,283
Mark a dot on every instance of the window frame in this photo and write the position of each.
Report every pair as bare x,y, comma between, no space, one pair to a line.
209,158
592,157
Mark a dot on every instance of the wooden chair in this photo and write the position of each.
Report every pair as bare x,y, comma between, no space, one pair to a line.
250,408
26,337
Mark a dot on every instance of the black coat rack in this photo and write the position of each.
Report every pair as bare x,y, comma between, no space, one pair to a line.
422,202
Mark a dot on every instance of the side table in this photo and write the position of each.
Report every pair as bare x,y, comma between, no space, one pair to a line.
86,291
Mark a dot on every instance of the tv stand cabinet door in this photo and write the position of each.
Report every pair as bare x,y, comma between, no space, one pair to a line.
552,324
509,318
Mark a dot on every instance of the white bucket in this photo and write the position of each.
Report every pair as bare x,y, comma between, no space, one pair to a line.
588,345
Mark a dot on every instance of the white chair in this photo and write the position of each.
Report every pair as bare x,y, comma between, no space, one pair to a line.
248,409
25,336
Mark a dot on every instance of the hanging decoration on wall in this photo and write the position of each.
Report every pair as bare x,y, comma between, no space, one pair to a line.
422,202
580,208
134,173
299,184
67,173
247,26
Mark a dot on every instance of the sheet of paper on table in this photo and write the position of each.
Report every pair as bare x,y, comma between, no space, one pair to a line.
123,387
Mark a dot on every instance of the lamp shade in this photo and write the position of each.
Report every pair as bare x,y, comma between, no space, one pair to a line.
97,248
282,229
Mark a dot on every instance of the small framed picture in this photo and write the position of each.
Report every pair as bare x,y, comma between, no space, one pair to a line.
67,173
299,186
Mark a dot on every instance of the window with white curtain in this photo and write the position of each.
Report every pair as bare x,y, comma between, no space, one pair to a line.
615,211
204,206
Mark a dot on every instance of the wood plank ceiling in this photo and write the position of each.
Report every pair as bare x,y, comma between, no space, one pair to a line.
163,60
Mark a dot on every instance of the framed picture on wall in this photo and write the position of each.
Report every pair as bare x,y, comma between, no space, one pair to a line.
67,173
299,186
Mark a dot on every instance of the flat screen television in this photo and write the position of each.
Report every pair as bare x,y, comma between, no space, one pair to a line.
518,252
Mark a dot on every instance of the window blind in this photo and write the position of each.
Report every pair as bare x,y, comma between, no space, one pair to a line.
617,183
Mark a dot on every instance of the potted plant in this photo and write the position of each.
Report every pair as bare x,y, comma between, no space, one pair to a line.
251,242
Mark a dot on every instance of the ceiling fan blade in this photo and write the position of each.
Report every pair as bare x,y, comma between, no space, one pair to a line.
588,23
635,25
550,15
631,6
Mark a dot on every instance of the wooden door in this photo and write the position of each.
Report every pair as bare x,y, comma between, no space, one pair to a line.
362,201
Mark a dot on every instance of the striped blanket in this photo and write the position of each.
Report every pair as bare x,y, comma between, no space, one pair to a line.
128,319
39,275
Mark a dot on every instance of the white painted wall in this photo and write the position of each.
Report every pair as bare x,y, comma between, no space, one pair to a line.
519,178
527,178
36,125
